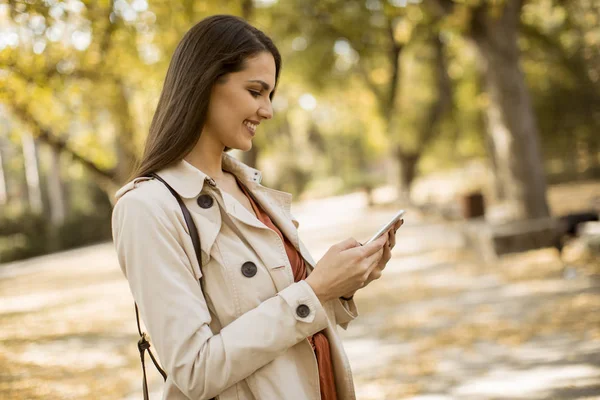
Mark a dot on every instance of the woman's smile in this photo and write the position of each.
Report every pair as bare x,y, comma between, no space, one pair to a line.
251,127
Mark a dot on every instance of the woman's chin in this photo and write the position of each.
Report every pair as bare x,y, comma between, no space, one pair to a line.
246,146
241,146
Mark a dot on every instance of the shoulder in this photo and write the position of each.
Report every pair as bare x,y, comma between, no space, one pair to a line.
144,196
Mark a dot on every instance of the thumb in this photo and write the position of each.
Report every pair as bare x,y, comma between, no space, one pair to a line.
375,246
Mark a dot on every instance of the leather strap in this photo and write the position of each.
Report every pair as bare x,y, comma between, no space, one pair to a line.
144,342
188,220
143,345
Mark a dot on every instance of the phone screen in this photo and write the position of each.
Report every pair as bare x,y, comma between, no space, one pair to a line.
387,226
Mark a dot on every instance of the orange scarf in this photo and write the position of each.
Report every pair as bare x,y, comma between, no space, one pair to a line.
319,341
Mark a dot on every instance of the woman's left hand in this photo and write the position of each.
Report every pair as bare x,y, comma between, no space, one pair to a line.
387,255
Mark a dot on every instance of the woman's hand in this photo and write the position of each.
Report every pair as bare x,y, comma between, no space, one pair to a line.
345,268
387,255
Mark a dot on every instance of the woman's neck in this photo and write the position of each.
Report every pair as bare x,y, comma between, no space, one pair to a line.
208,159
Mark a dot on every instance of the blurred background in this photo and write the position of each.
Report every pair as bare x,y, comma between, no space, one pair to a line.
481,118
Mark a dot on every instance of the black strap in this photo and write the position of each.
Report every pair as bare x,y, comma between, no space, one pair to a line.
144,342
188,220
143,345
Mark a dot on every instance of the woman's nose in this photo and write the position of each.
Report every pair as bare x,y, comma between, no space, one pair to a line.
266,112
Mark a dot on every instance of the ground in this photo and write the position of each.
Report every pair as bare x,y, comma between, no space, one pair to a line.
438,325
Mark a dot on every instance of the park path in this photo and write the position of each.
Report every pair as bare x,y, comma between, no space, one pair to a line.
438,325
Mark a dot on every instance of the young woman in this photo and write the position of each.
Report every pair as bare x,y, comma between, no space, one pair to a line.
257,320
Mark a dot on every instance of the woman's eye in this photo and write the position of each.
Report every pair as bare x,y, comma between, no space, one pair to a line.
254,93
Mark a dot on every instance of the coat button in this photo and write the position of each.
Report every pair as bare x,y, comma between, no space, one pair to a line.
249,269
303,311
205,201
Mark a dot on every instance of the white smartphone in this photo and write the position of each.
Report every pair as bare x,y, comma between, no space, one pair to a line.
387,226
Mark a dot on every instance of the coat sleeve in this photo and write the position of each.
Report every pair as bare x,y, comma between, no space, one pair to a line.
201,364
345,312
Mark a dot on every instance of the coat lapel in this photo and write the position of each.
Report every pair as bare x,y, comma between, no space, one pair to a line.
276,203
235,210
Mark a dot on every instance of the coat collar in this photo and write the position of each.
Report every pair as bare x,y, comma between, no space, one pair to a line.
188,180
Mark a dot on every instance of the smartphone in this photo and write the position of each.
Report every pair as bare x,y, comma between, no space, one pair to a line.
387,226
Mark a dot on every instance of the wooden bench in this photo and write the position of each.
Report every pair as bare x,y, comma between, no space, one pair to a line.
490,241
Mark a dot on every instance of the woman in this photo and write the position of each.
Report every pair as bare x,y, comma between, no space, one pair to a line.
257,319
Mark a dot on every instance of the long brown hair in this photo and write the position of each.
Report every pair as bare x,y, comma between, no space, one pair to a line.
216,46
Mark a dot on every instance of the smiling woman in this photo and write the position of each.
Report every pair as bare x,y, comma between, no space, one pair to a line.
239,102
203,90
236,306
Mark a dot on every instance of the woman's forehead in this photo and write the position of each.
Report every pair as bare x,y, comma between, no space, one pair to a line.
259,68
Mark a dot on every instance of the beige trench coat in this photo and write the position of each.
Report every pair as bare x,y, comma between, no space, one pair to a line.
241,334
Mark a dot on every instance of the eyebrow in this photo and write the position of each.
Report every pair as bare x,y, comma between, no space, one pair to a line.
264,84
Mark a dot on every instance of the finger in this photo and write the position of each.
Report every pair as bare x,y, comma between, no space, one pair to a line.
374,259
398,225
387,254
392,240
373,247
349,243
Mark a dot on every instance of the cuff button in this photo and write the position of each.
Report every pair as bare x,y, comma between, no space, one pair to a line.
303,311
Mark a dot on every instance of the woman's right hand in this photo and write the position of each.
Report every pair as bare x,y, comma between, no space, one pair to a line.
345,268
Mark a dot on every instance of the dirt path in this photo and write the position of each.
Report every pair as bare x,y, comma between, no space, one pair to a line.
436,326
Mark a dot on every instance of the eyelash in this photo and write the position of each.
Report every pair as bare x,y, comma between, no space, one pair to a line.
254,93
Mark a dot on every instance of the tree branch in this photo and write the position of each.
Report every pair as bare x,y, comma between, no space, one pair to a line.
106,41
443,7
371,85
362,70
48,72
574,63
58,144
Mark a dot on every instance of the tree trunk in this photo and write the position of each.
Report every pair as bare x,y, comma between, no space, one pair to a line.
408,160
511,121
430,129
594,156
247,9
4,194
32,173
408,170
359,150
56,196
125,146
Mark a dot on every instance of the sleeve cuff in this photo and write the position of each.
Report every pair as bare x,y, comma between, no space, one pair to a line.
344,311
304,302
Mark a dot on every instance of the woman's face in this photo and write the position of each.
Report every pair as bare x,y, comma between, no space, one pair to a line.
240,102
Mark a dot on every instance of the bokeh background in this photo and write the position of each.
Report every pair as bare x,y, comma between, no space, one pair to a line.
480,117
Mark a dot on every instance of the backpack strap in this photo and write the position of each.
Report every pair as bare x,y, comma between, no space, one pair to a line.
144,342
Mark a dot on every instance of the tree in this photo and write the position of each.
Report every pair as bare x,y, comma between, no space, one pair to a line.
562,62
510,119
372,40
